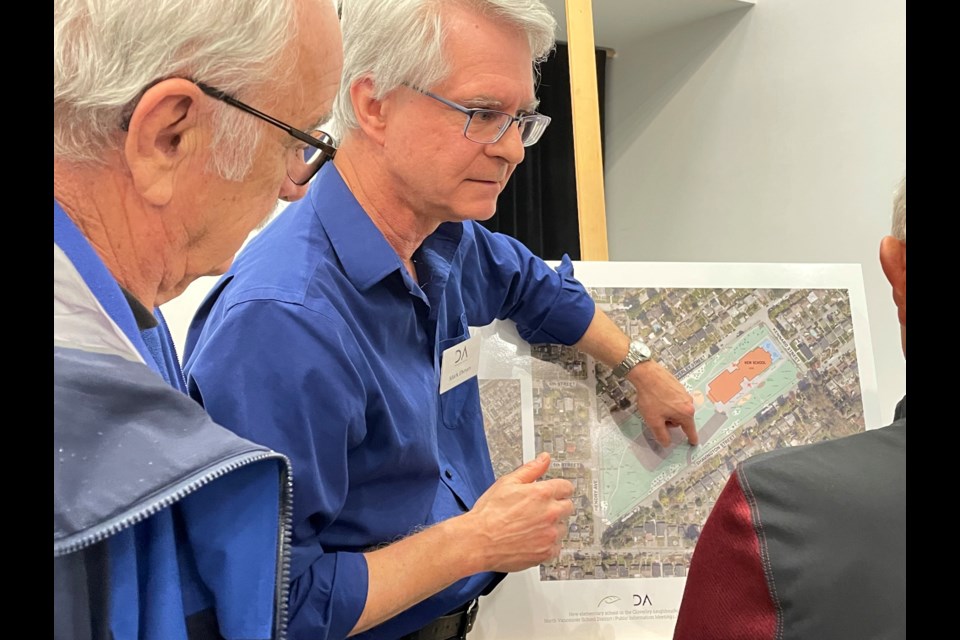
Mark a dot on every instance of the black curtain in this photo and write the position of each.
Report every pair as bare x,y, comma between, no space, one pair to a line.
539,204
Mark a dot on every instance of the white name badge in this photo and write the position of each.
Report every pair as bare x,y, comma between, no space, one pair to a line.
459,363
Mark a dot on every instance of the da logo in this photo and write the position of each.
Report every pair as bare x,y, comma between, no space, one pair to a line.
641,601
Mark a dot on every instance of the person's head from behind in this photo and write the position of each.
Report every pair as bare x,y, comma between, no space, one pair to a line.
893,258
149,102
412,66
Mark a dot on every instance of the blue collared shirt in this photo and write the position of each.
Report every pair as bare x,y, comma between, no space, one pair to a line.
319,344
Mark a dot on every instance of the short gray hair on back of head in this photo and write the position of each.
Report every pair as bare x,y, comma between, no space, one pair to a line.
899,228
107,52
401,41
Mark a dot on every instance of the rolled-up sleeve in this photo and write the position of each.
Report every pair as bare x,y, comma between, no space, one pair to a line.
548,305
327,589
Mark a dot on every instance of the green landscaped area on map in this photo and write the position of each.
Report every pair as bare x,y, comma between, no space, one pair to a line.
624,482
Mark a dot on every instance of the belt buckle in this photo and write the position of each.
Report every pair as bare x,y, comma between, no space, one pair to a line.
467,620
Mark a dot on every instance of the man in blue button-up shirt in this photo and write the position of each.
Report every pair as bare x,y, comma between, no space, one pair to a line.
327,337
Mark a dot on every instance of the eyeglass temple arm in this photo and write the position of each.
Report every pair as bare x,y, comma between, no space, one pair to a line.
296,133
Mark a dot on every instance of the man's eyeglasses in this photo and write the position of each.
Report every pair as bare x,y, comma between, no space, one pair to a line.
487,126
307,161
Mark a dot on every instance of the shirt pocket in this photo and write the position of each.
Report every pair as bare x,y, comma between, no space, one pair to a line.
460,406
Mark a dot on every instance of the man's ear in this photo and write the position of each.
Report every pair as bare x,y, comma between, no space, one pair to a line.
893,260
369,111
163,133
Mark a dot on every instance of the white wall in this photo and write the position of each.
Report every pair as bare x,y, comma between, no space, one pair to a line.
771,134
179,311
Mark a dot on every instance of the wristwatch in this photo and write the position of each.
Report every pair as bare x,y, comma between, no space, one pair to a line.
638,352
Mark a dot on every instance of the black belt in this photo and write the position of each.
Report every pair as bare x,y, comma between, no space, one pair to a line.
452,626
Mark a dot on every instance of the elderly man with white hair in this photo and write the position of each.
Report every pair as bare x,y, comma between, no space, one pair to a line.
171,143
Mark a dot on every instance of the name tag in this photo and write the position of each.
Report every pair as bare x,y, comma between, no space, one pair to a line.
459,363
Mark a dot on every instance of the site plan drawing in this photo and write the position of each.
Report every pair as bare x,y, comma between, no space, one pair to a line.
774,355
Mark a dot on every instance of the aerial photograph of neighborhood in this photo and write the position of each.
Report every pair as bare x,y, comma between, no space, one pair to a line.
767,368
500,403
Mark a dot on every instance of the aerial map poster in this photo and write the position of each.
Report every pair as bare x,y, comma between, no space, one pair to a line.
774,355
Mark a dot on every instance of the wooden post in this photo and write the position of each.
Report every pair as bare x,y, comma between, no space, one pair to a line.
587,150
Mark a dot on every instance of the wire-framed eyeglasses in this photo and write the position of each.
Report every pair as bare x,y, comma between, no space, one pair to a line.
487,126
303,164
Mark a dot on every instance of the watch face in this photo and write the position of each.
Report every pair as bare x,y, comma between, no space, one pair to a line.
637,353
641,349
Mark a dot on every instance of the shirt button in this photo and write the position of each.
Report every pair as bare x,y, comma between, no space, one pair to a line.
449,474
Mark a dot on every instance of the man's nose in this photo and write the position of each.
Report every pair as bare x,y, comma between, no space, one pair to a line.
509,146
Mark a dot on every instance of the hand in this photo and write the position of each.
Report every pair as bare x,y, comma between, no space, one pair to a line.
521,522
663,402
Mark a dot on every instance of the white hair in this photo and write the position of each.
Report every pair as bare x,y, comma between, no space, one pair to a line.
106,53
401,41
899,228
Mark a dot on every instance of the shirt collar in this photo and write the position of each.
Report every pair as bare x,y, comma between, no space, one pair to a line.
364,252
67,235
98,279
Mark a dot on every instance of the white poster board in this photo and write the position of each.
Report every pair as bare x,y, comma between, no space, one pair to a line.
773,354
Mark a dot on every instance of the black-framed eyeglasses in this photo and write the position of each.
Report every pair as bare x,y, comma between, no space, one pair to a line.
487,126
307,161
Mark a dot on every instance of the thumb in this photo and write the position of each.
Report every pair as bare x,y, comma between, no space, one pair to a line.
530,471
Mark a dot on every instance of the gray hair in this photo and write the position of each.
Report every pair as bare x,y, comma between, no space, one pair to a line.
107,52
899,229
401,41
